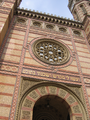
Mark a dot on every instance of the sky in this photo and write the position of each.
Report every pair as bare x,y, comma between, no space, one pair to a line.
55,7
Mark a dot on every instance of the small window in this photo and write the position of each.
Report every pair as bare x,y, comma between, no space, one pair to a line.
62,29
49,26
77,33
21,20
37,24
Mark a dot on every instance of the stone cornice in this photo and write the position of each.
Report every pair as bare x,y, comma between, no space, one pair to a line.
48,18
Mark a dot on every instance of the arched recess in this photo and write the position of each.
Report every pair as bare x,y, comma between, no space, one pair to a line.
71,101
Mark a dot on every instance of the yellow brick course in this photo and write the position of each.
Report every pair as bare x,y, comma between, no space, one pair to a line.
7,79
34,35
4,111
12,52
70,68
67,42
32,62
3,15
6,89
83,54
19,26
1,23
13,46
86,65
17,32
82,49
16,36
2,19
10,58
84,59
14,41
80,45
87,71
5,99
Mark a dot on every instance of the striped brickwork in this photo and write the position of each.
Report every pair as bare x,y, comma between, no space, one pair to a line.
16,56
6,14
79,11
17,61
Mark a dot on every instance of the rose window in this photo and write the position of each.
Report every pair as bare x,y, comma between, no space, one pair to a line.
51,52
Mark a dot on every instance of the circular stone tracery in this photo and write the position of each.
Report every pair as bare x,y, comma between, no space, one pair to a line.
51,51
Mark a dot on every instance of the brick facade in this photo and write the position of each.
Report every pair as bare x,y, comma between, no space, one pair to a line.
18,63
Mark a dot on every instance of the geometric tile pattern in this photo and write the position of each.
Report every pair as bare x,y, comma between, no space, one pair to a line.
9,68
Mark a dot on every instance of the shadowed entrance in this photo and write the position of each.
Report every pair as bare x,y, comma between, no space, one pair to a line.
51,107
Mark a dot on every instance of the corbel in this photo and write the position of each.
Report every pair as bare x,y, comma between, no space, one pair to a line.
26,14
58,21
30,14
19,12
51,19
33,15
37,16
44,18
55,20
22,13
41,17
48,19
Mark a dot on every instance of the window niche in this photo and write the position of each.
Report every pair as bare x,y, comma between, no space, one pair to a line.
62,29
50,27
37,24
76,33
83,9
21,20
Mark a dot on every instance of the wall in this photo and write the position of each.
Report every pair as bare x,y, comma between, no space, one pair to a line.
17,60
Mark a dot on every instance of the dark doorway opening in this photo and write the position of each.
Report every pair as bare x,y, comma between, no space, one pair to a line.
51,108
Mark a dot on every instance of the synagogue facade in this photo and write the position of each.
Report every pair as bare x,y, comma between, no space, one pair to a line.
44,63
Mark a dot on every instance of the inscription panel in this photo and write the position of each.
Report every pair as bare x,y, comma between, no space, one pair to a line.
50,75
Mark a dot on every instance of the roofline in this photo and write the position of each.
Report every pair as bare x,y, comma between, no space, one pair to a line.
48,18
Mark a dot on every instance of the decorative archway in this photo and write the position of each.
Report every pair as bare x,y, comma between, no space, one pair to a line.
27,102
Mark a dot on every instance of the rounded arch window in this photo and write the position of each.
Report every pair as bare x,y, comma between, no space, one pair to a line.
49,26
76,33
37,24
51,51
62,29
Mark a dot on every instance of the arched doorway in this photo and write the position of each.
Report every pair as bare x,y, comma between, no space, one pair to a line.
53,95
51,107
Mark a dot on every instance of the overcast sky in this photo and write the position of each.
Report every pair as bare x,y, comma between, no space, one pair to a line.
55,7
